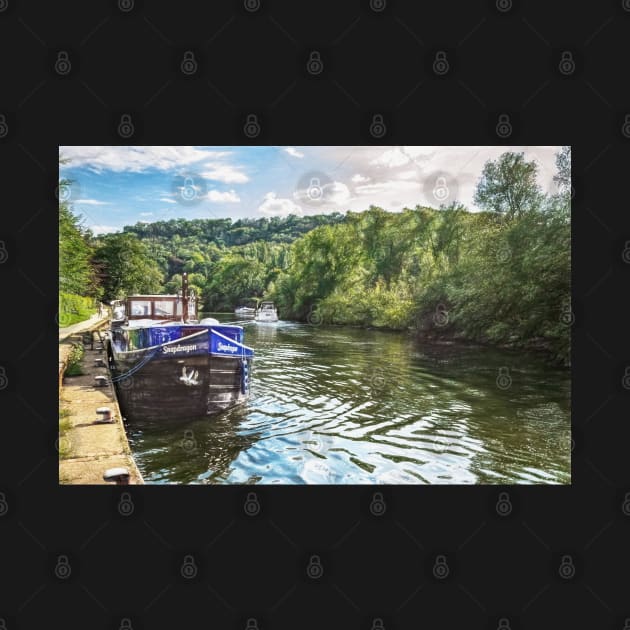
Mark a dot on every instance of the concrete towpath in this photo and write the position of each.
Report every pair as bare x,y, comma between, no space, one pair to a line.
87,448
80,327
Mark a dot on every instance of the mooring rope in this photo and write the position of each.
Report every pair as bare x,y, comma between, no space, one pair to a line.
135,368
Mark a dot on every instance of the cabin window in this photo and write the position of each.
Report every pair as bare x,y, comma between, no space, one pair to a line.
164,308
141,308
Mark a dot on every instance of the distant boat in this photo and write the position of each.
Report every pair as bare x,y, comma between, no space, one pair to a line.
245,311
266,312
167,364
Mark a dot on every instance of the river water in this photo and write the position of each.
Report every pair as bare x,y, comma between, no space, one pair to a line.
332,405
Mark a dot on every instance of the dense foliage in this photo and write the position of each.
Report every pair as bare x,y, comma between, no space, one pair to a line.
78,286
500,276
225,233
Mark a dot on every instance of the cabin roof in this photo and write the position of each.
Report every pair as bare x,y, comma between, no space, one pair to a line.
144,297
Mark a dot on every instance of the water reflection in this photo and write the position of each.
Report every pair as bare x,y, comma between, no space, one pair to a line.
341,405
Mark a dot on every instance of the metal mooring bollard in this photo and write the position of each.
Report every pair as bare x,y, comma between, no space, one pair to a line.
100,381
118,475
105,414
99,362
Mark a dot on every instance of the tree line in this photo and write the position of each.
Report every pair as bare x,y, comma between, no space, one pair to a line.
501,275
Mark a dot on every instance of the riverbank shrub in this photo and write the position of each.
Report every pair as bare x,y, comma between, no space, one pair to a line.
74,308
499,276
73,367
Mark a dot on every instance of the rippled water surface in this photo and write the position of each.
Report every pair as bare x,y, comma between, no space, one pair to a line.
341,405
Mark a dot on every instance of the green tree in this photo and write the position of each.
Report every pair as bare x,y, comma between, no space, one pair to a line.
508,186
126,266
75,273
563,166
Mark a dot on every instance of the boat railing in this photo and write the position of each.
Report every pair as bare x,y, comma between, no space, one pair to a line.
245,351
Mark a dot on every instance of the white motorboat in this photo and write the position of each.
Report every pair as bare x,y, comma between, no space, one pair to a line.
266,312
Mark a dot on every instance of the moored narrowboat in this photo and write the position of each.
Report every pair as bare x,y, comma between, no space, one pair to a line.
165,363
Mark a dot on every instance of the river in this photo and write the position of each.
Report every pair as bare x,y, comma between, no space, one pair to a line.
333,405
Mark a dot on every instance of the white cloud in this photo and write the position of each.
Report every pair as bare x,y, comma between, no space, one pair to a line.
408,175
391,158
401,156
225,197
294,152
225,173
359,179
104,229
146,214
167,200
92,202
386,187
337,192
278,207
137,159
334,193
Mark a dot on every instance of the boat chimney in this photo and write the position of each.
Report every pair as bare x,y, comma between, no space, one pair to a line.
185,297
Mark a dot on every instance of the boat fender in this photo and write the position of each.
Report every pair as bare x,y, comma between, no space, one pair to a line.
209,321
244,377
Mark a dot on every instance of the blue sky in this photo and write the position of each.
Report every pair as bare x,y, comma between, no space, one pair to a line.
117,186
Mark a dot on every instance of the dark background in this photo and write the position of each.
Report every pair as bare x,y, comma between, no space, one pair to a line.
377,58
